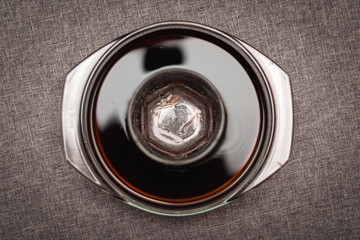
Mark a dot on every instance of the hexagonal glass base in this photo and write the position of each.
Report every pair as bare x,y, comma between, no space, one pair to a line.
176,116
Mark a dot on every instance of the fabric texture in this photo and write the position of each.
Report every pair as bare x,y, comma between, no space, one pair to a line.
316,195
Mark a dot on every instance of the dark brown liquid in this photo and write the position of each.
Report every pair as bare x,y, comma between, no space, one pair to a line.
148,177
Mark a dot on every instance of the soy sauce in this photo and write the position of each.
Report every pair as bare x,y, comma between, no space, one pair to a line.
189,51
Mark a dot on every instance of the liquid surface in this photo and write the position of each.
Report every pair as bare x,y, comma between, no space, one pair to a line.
147,177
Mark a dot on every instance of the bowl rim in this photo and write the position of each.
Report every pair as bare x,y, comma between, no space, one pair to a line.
156,206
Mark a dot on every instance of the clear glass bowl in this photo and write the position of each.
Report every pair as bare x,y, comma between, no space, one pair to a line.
177,118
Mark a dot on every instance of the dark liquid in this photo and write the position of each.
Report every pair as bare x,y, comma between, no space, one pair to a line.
148,177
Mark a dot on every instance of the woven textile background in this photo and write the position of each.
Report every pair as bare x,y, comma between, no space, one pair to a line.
316,195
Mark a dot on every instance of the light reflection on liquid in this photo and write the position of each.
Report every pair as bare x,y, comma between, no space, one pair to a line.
223,71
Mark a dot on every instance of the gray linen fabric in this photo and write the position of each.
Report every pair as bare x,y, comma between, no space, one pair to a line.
315,196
